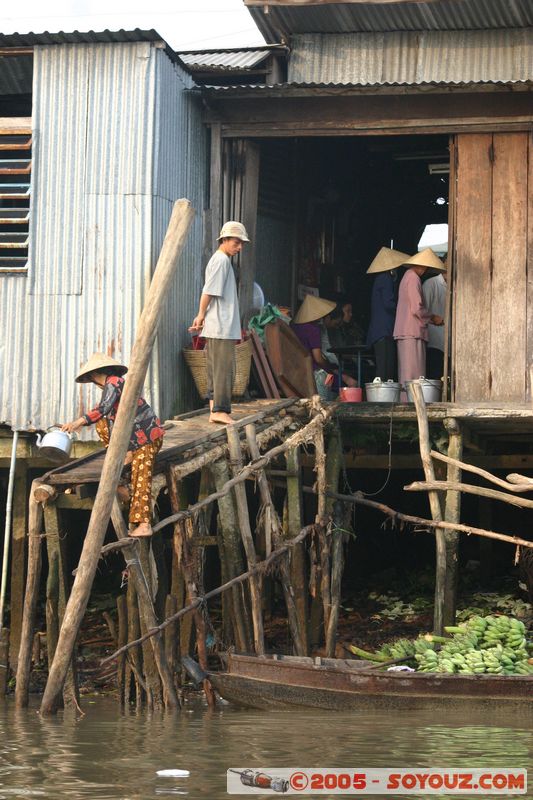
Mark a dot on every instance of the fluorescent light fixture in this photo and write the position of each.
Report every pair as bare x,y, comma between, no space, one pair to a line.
439,169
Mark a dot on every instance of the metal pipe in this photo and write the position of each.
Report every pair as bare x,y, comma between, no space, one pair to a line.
7,529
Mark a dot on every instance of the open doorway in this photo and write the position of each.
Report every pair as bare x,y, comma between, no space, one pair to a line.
327,205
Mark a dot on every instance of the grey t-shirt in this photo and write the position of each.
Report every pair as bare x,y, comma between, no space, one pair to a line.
222,319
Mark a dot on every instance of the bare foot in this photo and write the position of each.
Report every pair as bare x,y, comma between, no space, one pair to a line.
221,417
144,529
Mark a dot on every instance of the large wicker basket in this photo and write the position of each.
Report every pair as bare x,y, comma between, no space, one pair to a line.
197,362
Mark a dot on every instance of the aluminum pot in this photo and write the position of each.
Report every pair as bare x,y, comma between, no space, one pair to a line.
431,390
382,391
55,445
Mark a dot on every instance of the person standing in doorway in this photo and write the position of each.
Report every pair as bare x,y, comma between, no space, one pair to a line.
412,318
383,311
218,319
434,291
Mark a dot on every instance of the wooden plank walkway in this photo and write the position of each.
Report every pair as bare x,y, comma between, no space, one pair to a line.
182,435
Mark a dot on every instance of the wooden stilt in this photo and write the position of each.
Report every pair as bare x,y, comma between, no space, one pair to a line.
232,553
333,471
272,520
4,660
18,561
35,520
434,502
187,558
321,519
135,688
146,608
452,513
57,593
172,635
122,638
146,602
298,558
247,539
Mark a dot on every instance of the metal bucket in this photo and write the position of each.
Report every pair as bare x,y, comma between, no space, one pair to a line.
382,391
431,390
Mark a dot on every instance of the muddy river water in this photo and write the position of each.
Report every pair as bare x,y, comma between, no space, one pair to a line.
107,754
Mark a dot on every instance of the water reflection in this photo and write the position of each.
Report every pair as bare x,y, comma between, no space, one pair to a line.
108,755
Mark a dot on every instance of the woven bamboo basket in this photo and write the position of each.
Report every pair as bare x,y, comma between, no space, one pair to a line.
196,360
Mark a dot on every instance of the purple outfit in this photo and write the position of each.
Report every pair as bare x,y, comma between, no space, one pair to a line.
310,335
411,328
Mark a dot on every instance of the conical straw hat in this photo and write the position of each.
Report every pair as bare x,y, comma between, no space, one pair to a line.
97,362
386,260
313,308
426,258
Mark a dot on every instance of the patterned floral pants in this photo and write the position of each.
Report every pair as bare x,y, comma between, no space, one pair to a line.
142,467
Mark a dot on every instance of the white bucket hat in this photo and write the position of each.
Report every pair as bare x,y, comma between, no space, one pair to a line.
234,230
99,361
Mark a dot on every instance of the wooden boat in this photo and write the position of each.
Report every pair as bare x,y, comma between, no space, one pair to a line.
337,684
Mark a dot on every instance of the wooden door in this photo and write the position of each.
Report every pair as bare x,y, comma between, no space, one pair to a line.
492,291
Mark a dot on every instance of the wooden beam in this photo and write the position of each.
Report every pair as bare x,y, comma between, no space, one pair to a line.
436,511
452,513
247,540
35,519
18,561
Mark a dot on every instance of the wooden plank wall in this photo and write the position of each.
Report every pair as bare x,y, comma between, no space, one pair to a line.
472,268
493,313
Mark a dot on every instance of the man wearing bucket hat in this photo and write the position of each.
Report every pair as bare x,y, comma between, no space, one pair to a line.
219,320
383,310
307,328
145,441
412,318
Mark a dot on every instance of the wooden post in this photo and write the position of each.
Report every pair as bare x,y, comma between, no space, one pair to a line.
333,470
321,519
176,235
298,571
134,683
18,560
146,608
248,215
57,591
234,563
247,539
434,502
452,513
271,518
122,638
4,660
186,558
35,519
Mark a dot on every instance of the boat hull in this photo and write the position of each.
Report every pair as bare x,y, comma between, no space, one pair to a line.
276,682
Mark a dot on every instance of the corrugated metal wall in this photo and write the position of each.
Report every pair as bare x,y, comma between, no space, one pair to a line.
412,57
180,170
99,211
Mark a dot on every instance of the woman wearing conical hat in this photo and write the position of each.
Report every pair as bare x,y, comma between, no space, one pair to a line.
145,441
383,311
412,317
306,326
